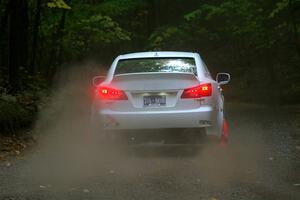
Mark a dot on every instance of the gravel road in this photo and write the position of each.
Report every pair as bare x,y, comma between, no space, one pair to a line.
261,161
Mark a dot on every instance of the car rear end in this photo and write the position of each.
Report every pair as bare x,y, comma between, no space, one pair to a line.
156,92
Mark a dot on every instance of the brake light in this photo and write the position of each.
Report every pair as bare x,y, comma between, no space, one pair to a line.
203,90
109,93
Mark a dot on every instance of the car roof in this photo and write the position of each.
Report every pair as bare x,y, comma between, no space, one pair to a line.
154,54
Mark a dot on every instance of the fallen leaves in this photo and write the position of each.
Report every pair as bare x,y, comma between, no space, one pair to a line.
14,146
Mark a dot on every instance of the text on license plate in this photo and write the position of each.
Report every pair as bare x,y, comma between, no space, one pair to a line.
156,100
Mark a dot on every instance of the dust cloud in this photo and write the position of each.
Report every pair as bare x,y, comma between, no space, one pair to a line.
67,156
67,153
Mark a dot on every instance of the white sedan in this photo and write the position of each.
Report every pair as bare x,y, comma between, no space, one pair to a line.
160,91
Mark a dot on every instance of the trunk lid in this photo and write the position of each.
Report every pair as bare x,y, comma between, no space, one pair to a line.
154,91
155,81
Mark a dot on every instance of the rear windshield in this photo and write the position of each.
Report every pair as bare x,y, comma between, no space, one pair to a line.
141,65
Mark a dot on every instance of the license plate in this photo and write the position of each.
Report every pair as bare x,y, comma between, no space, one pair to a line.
154,100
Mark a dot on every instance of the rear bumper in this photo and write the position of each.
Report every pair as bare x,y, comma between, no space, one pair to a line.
200,117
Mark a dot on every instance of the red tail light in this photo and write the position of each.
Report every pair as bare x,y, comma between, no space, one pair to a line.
203,90
108,93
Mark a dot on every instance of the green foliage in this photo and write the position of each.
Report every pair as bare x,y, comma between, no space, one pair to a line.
92,33
103,28
193,15
13,115
229,20
249,39
281,5
58,4
164,38
119,7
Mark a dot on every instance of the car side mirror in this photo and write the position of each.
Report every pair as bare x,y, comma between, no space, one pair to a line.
97,80
223,78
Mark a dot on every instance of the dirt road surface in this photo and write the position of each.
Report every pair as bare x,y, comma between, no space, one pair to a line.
261,161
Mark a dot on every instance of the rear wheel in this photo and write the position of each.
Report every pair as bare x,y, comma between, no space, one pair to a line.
223,139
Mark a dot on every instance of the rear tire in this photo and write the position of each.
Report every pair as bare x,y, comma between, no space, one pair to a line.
223,139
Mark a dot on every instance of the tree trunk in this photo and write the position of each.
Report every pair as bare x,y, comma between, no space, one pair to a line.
294,25
4,20
35,36
61,28
56,50
54,54
3,26
153,17
18,27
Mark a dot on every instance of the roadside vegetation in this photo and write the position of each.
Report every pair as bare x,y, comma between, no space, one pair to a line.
257,42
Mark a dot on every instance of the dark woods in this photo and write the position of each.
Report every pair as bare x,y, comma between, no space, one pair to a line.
258,42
